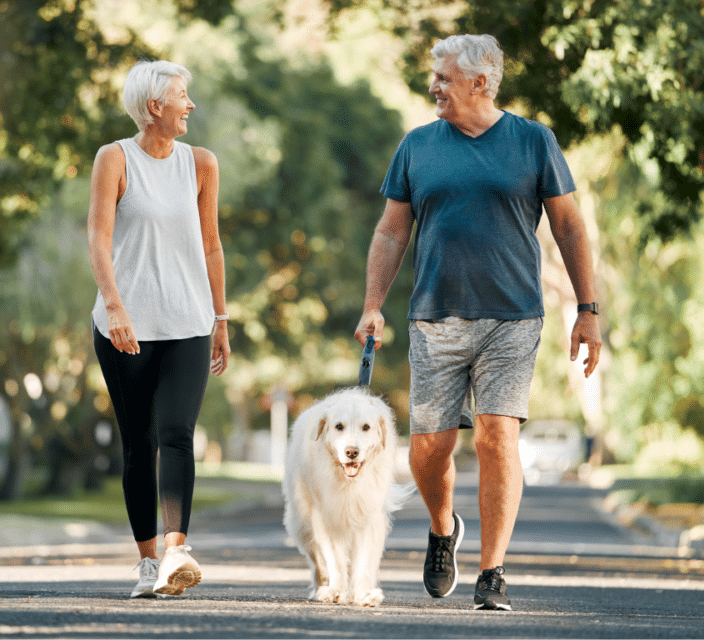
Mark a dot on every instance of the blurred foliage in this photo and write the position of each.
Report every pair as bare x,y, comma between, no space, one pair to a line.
107,504
309,223
301,160
60,77
58,104
302,155
585,67
50,379
653,297
212,11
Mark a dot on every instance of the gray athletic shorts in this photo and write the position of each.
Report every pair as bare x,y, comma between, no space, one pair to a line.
453,359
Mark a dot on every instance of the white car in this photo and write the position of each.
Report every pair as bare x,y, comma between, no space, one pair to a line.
548,449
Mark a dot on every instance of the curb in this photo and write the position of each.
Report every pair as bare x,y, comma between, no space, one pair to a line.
688,542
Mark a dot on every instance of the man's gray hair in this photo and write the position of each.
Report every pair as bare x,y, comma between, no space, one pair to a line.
149,80
476,55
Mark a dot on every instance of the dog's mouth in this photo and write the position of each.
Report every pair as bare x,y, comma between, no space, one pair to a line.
351,469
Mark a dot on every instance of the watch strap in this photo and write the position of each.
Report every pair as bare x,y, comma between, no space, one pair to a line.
591,306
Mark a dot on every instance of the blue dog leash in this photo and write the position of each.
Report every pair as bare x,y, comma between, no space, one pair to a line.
367,364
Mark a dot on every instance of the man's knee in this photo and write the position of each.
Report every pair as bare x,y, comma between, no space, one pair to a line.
496,435
431,449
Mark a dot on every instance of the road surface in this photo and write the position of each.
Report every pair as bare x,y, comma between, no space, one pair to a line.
572,572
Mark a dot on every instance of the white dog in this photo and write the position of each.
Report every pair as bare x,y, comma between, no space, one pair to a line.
339,492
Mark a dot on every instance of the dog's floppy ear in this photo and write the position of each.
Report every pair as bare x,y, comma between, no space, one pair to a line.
321,426
384,428
385,419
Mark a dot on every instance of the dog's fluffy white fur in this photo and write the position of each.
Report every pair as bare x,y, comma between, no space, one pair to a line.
339,492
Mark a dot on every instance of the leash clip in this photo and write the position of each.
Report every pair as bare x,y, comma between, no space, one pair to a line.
367,364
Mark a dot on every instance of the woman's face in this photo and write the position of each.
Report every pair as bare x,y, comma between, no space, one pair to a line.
174,112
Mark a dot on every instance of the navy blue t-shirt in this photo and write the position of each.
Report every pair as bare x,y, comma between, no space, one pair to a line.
477,203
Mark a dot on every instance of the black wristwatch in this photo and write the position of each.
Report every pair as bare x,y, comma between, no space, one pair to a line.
592,306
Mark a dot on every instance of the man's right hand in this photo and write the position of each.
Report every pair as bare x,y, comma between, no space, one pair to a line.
370,324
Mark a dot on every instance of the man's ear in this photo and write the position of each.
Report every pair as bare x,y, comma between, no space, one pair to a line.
479,84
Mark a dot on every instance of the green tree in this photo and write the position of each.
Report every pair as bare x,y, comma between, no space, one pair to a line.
59,100
296,237
586,67
301,161
50,380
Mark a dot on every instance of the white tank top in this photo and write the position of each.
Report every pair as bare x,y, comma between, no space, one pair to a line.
157,248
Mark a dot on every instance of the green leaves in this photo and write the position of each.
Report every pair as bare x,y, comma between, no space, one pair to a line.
643,78
57,104
586,67
303,229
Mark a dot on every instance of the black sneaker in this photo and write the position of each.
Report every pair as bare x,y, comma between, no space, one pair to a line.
440,570
491,590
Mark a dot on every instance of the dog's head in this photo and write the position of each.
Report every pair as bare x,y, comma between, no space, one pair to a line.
354,426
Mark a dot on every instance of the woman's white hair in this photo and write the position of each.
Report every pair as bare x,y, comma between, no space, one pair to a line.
149,80
476,55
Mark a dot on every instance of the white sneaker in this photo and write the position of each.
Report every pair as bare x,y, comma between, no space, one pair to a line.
148,572
178,571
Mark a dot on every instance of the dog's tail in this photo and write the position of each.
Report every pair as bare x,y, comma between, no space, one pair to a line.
398,495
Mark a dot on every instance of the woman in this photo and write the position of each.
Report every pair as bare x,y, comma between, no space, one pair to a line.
158,262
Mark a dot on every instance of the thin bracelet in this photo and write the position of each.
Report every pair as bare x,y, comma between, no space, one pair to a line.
224,316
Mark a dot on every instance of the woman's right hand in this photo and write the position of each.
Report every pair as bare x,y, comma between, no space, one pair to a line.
121,331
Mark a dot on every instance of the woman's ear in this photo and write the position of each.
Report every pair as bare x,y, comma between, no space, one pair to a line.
155,107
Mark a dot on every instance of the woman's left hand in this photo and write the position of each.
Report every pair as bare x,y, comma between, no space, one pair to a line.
221,349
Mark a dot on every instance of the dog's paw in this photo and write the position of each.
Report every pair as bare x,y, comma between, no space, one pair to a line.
329,594
371,598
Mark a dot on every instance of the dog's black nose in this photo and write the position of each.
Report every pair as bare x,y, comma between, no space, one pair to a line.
351,452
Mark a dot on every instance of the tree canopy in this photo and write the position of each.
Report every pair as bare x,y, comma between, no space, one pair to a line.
302,155
59,100
301,159
587,67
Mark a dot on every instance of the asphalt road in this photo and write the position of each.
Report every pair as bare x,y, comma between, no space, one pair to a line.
572,572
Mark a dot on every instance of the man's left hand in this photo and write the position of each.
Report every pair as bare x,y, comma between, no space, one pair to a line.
586,330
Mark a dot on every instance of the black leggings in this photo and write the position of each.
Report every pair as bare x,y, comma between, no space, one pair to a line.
157,395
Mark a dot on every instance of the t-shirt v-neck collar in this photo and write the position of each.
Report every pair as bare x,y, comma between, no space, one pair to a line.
482,135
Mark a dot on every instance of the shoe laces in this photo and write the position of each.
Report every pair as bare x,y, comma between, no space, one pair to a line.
148,568
441,553
492,580
181,547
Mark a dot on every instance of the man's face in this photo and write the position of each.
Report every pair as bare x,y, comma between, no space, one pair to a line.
452,91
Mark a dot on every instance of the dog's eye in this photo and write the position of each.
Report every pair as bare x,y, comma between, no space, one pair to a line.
339,426
366,427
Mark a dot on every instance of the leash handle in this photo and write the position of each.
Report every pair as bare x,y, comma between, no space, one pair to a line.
367,364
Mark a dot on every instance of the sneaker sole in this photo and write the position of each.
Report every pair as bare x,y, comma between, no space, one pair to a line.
498,607
179,581
149,594
454,561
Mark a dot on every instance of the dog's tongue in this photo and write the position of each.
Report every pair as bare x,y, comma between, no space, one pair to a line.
351,469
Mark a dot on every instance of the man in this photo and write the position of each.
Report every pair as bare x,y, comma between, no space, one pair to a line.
475,182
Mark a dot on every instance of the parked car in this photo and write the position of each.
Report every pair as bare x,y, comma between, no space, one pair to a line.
549,449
